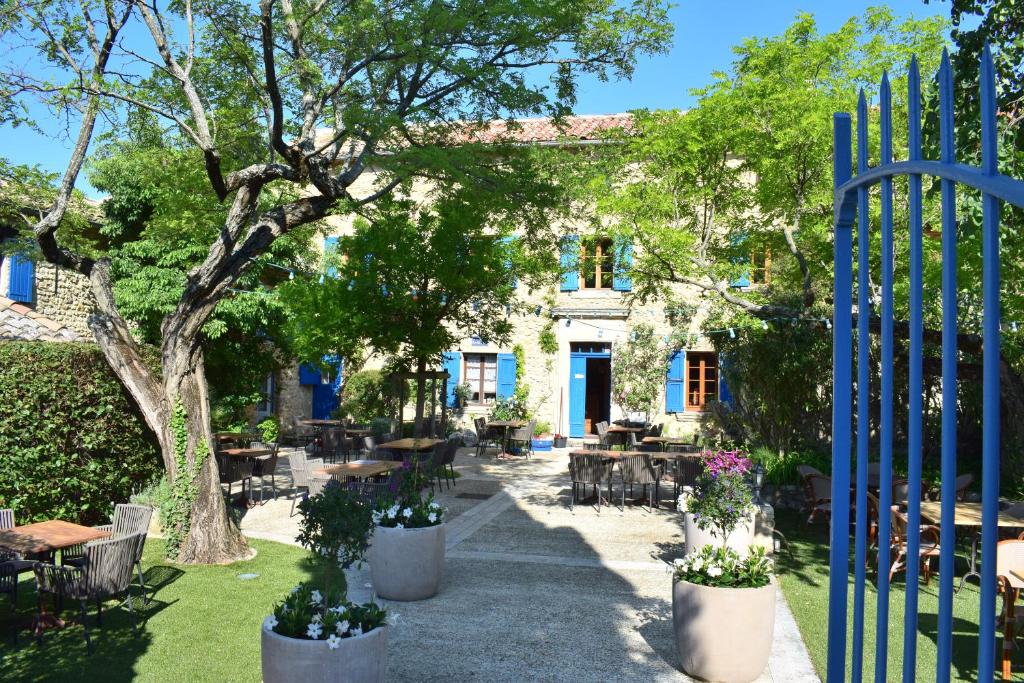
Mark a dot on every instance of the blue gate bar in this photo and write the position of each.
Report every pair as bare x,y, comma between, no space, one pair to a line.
863,394
990,446
914,381
886,386
839,552
947,535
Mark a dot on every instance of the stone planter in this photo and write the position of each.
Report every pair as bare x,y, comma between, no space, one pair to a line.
723,634
362,659
407,564
740,540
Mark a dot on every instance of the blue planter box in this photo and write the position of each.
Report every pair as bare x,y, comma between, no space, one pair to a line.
542,444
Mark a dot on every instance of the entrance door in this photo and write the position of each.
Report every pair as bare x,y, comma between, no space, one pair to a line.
577,395
589,386
599,392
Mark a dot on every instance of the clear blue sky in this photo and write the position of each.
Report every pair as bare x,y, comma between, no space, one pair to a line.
705,31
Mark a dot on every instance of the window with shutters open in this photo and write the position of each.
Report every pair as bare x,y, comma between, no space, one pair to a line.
481,374
701,380
597,263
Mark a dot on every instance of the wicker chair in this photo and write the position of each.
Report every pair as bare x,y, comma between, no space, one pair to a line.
128,519
484,438
524,435
236,470
106,572
317,484
334,444
602,436
300,467
266,466
590,470
927,549
1009,555
376,494
302,435
639,469
685,471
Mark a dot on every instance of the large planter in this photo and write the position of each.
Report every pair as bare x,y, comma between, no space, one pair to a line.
361,659
407,564
740,540
723,634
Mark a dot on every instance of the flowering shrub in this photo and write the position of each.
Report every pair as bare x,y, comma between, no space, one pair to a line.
409,514
722,495
308,614
724,568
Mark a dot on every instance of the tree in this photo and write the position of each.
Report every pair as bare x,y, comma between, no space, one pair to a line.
326,90
418,279
638,373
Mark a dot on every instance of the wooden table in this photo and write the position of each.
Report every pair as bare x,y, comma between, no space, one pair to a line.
231,436
624,430
665,441
505,425
423,444
654,455
321,423
360,469
969,515
49,536
245,452
358,431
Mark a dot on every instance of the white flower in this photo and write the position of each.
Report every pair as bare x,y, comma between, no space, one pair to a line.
399,526
315,598
270,622
377,515
314,630
342,627
284,609
434,506
333,641
357,631
679,562
696,564
393,511
338,609
714,571
432,517
407,512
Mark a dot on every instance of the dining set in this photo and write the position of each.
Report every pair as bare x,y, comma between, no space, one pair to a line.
242,457
597,468
509,437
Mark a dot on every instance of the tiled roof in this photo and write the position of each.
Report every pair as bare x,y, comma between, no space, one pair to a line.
21,323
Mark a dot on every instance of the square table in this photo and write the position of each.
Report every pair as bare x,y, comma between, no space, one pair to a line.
245,452
360,469
505,425
46,537
421,444
969,515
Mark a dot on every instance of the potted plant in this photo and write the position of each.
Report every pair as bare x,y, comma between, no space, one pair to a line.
721,600
560,441
315,633
407,554
720,509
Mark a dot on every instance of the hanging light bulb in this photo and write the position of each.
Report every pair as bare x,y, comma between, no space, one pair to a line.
732,333
764,324
568,321
537,311
828,324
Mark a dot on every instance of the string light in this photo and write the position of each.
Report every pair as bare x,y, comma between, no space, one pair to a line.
732,333
764,324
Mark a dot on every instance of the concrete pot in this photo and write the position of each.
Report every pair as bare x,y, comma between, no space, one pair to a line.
740,540
362,659
723,634
407,564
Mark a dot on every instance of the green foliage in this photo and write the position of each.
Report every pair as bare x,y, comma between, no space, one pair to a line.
269,429
176,508
542,427
364,396
308,614
335,528
722,497
379,426
546,340
72,443
724,568
638,371
410,510
780,468
514,407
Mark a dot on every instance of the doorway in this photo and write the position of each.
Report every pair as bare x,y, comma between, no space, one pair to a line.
590,386
599,393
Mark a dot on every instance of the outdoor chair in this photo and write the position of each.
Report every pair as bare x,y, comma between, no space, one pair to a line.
237,470
818,489
331,447
300,467
901,491
524,436
128,519
433,466
1009,555
640,469
602,436
11,565
928,545
376,494
656,430
963,482
316,485
266,466
369,446
6,518
590,470
685,471
302,435
105,572
483,438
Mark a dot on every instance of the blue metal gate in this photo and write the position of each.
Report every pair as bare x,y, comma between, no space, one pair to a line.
852,203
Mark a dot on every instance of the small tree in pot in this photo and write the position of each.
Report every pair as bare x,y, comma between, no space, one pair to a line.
720,597
315,633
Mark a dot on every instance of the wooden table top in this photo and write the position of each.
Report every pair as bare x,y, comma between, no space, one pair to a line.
620,428
48,536
966,514
667,439
411,444
358,431
499,424
615,455
231,436
245,452
361,469
321,423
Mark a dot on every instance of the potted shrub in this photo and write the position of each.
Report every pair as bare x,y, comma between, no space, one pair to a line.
720,509
723,613
560,441
315,633
407,554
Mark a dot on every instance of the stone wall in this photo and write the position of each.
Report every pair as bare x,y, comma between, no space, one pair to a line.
64,296
293,399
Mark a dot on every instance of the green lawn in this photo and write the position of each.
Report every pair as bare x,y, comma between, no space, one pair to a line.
203,625
804,579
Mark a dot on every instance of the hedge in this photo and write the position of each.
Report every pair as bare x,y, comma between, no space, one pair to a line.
72,443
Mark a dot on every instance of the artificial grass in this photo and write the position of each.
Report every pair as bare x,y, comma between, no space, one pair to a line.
203,624
804,581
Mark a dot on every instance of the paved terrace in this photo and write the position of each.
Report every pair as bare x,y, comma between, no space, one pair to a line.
533,591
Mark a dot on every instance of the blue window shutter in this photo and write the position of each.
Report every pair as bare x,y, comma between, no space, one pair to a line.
308,374
506,375
622,281
453,365
570,263
331,248
724,395
675,382
22,279
577,395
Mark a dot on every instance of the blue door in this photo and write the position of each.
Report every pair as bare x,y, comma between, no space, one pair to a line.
577,394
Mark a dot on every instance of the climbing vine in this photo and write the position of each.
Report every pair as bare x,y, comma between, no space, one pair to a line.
176,509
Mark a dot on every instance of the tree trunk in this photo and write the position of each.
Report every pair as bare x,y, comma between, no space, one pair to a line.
421,396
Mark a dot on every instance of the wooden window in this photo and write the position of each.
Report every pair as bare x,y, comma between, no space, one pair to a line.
701,380
761,267
481,373
597,263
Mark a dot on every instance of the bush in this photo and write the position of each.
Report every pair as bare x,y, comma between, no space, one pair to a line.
364,397
780,468
72,443
269,429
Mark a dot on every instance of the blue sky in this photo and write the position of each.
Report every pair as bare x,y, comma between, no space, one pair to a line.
705,33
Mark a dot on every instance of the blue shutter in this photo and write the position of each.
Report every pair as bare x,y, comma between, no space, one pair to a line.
622,281
308,374
570,263
325,401
22,279
675,382
331,248
724,395
453,364
577,395
506,375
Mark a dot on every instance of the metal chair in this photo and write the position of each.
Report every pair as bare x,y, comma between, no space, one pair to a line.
11,565
640,469
236,470
685,471
106,572
590,470
266,466
484,439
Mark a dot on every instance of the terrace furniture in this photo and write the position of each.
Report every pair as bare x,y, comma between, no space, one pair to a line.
105,572
448,461
967,514
236,465
331,443
128,519
685,471
927,549
524,436
302,434
639,469
300,467
11,565
1010,575
504,426
317,484
266,466
484,439
356,469
586,469
818,492
375,493
602,436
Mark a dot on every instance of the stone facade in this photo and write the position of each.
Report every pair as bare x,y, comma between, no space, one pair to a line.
59,295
